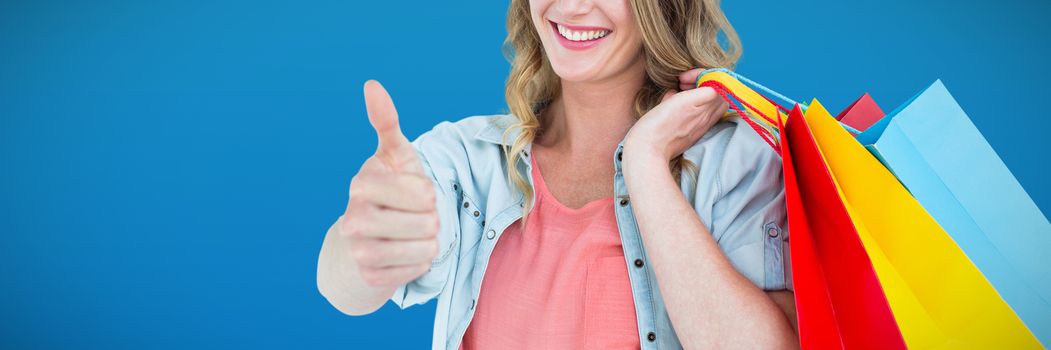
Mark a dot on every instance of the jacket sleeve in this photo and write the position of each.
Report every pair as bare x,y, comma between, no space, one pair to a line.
741,198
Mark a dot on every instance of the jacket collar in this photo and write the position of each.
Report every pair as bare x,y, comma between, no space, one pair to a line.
493,132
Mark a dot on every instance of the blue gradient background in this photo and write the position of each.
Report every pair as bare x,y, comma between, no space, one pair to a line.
168,168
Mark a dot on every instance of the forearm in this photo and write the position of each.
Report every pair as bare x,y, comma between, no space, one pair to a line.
340,283
709,302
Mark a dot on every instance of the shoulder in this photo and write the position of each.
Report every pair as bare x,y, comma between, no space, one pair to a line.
732,153
468,130
465,147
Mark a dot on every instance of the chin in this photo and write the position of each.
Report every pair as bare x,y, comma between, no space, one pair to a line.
577,72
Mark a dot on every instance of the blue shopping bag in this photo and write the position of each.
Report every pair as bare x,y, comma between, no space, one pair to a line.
935,150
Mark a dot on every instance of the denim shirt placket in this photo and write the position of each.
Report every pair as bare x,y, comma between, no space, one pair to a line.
491,233
631,241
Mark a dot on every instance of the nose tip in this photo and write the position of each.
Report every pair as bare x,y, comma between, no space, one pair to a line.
574,7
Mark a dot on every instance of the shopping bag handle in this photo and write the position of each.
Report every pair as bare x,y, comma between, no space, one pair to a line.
740,98
745,88
740,93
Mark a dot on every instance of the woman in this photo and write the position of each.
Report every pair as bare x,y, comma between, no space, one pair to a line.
573,207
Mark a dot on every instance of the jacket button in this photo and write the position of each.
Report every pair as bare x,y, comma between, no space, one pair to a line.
620,156
638,263
456,187
623,202
465,204
476,213
490,234
651,337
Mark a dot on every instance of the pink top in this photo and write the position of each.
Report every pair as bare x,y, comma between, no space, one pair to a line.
560,284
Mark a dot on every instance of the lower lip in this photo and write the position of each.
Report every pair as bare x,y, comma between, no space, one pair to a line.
575,45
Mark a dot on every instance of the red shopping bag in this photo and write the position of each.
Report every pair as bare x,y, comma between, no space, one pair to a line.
861,114
839,301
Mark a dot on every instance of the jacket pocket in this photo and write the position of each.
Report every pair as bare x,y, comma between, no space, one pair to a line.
609,309
471,210
448,208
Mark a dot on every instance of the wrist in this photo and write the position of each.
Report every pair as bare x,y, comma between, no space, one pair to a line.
638,151
640,162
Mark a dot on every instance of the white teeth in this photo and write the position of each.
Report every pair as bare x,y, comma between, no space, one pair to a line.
580,35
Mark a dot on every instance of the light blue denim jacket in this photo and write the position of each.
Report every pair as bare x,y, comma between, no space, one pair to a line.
740,199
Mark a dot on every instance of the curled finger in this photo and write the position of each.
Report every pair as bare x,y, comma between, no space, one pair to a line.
403,191
392,276
377,252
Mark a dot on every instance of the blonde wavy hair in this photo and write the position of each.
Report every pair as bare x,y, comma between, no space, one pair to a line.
677,35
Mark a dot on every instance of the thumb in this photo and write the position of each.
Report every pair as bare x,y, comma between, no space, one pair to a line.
688,79
394,149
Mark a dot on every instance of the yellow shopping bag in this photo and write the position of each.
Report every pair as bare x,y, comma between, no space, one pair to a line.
938,297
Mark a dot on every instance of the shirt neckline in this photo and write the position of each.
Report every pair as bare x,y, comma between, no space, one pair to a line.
544,193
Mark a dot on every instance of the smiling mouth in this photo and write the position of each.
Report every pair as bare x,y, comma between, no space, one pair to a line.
580,34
